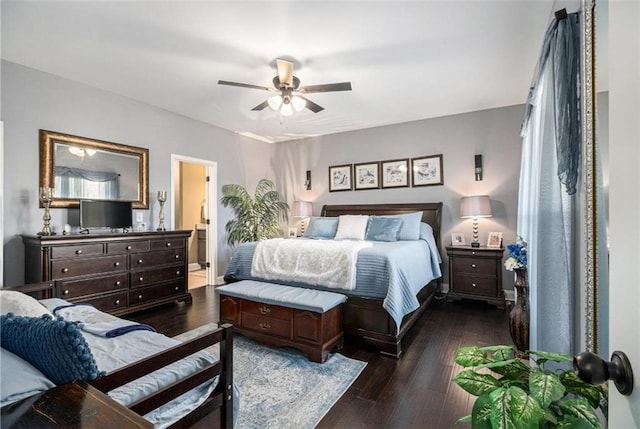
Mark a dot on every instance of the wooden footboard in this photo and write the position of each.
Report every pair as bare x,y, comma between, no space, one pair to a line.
221,397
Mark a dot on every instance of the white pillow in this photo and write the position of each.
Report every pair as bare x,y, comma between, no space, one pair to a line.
20,304
352,227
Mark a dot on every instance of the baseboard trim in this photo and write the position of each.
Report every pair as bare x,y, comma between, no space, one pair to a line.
509,295
220,280
194,266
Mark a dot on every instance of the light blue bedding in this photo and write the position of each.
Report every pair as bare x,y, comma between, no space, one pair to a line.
394,271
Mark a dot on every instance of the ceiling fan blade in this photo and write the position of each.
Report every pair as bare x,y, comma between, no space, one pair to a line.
327,87
285,72
261,105
244,85
315,108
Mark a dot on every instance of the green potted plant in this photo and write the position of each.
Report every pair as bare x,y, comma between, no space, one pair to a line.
257,217
519,395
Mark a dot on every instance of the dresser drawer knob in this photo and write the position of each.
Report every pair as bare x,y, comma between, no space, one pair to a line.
139,296
66,292
139,261
264,309
118,282
177,256
128,247
116,264
178,273
168,244
79,252
140,279
65,270
265,326
474,285
117,302
177,288
473,265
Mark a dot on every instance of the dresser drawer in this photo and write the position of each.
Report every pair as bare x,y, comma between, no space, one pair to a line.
476,285
474,265
76,250
167,244
144,278
266,310
127,247
161,257
61,269
267,325
107,303
142,295
89,286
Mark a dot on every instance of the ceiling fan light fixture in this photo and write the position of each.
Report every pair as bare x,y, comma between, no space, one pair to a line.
298,103
286,109
275,102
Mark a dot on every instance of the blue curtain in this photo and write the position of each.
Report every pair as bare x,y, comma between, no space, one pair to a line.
549,193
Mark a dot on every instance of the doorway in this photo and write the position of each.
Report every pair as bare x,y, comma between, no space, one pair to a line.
194,208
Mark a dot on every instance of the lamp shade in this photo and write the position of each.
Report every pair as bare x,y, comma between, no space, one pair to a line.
475,206
302,208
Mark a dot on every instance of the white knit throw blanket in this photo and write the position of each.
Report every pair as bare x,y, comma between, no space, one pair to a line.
317,262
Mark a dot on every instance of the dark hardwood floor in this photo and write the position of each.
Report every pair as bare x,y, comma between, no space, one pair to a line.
415,391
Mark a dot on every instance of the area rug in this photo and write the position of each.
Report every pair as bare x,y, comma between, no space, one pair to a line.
280,388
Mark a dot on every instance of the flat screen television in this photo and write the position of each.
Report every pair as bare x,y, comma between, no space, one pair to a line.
105,214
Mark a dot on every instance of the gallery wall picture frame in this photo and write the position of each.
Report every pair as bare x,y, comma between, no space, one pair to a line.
427,171
457,239
395,173
340,178
495,240
366,175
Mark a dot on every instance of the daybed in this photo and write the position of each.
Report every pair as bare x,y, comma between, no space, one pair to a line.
391,289
170,383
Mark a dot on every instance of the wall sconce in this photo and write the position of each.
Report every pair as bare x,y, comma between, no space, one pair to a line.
474,207
307,183
302,209
478,167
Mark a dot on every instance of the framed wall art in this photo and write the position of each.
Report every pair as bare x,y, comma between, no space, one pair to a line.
395,173
340,178
427,171
366,175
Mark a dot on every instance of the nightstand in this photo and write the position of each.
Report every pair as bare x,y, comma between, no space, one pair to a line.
476,273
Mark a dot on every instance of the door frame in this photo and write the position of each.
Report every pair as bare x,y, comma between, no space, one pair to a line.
211,205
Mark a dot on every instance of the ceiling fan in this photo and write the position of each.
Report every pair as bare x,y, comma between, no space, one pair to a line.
290,95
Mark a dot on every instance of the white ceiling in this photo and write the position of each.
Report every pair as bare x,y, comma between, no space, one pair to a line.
406,60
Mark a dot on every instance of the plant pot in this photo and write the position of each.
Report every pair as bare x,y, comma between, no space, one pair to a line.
519,316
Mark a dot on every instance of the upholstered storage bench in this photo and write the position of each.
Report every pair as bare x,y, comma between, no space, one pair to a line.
306,319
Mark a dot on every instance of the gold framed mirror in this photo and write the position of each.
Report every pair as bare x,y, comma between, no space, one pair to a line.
83,168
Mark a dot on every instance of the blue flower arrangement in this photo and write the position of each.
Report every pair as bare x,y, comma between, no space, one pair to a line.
517,255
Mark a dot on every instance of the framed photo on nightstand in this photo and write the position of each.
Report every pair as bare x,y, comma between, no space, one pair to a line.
457,239
495,240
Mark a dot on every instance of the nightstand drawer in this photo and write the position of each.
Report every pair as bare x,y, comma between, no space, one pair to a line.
476,285
474,265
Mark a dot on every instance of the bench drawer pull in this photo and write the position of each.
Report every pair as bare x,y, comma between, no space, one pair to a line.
264,309
265,326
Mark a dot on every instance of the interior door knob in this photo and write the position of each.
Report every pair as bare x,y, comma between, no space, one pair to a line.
592,369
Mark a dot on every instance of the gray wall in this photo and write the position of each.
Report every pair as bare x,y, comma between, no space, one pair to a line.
32,100
494,133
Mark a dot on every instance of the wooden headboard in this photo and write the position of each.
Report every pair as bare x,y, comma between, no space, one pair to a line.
431,213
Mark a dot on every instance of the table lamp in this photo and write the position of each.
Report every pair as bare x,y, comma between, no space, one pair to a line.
474,207
303,210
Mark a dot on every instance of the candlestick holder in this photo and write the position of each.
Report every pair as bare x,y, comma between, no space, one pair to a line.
162,198
46,195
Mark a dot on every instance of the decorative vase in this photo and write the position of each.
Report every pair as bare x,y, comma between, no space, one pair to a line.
519,316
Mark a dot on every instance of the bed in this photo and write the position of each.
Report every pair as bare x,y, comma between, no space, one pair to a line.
168,382
369,312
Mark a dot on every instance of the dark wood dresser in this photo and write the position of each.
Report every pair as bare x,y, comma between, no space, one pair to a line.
476,273
117,273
